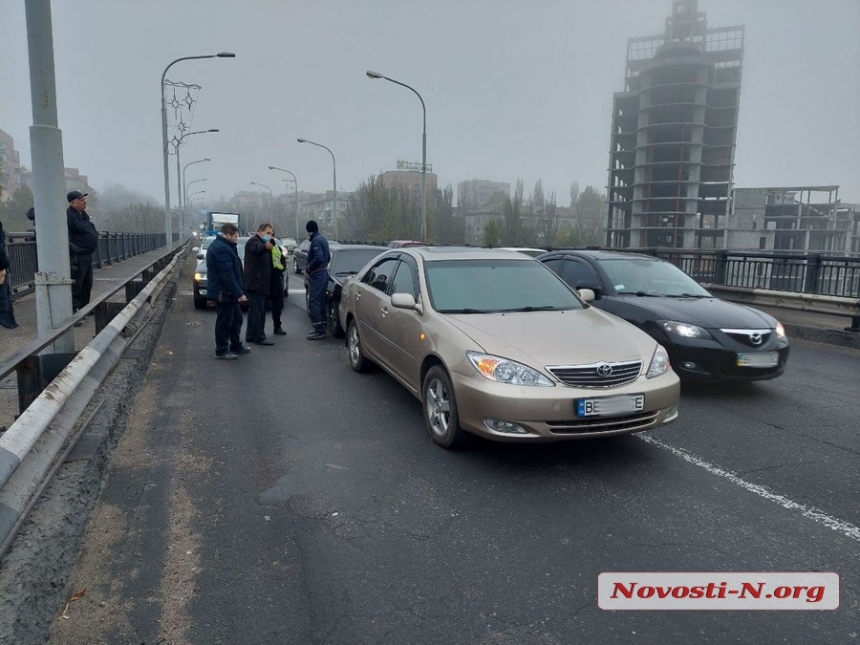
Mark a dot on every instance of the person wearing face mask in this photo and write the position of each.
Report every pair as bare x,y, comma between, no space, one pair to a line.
258,282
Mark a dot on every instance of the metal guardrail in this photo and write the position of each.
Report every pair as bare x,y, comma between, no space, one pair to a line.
112,248
31,449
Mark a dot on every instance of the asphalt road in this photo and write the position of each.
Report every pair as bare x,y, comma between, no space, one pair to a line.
282,498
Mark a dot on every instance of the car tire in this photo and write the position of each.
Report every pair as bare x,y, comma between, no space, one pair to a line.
200,302
441,419
333,321
357,359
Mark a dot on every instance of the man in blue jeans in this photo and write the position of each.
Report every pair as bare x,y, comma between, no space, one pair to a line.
317,274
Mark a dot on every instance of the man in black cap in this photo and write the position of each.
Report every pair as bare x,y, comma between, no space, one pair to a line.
83,242
317,276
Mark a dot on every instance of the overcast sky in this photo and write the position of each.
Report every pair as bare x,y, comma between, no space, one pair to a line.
514,88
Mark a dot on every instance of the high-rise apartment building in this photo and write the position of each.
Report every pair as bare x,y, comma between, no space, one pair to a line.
673,135
478,194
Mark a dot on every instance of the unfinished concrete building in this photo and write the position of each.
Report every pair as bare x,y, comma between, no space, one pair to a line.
792,219
673,135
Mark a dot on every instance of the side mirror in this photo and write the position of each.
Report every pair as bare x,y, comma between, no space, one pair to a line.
596,292
194,249
405,301
586,294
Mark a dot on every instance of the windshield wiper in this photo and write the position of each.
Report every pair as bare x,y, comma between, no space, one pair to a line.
463,311
531,308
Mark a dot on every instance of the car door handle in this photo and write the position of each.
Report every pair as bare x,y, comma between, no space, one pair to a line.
358,295
384,311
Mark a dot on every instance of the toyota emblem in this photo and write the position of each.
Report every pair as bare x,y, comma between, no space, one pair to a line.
604,370
755,338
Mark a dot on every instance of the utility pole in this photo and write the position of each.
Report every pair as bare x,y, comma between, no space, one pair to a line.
53,283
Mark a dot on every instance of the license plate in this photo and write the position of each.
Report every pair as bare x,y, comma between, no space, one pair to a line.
610,405
764,359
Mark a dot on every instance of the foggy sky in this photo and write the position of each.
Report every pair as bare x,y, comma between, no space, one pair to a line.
514,88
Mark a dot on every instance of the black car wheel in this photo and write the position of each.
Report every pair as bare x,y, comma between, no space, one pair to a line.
440,409
333,322
353,342
200,302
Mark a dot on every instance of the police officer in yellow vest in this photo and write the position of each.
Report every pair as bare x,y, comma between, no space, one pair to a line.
279,285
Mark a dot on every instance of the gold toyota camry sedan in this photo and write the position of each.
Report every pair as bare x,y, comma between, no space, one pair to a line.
495,344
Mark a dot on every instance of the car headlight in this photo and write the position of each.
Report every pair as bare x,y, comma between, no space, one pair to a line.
659,362
780,331
684,330
199,277
503,370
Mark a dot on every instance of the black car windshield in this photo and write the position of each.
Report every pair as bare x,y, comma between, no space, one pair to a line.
491,286
650,278
344,261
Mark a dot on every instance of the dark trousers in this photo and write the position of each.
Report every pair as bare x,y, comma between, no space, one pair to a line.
256,330
228,327
83,277
277,297
316,299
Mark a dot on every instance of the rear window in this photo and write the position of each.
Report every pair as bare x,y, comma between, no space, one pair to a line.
351,260
492,286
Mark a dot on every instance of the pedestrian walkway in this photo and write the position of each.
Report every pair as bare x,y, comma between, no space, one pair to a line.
13,340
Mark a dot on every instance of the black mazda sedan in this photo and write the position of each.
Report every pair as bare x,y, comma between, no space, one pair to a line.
346,261
707,338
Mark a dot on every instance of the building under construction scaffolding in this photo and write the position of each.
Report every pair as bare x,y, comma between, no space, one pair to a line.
793,219
673,135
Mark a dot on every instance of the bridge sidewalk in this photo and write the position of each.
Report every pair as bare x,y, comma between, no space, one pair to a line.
12,340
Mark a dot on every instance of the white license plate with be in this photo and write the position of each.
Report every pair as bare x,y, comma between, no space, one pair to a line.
610,405
764,359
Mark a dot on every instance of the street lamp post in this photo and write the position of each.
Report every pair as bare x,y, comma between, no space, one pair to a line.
178,173
184,171
334,179
375,75
295,195
168,227
271,199
199,192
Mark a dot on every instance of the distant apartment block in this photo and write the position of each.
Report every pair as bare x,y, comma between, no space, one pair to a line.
673,135
793,219
10,166
321,210
407,178
476,195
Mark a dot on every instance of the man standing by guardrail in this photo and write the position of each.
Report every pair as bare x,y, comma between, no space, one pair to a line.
83,242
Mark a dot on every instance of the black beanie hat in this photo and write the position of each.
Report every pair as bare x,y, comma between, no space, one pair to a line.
312,227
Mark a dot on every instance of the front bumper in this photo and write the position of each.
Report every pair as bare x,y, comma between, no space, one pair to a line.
549,413
718,363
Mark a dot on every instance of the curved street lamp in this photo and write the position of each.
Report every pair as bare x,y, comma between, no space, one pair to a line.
178,174
193,195
184,171
375,75
168,226
334,179
295,195
271,198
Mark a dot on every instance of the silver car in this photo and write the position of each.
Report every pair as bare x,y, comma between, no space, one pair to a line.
495,344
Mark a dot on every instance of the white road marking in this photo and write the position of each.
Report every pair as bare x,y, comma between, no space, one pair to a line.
840,526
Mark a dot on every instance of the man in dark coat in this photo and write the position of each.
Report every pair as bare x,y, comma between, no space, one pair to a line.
83,242
258,282
7,311
319,257
224,286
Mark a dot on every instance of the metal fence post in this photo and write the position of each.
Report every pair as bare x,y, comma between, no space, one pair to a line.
813,271
720,262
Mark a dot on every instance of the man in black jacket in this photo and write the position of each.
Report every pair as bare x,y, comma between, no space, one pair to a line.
258,282
317,276
83,242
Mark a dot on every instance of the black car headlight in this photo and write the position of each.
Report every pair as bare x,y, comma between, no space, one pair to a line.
780,331
684,330
199,277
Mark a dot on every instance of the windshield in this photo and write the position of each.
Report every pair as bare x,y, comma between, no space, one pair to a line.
491,286
650,278
345,261
206,242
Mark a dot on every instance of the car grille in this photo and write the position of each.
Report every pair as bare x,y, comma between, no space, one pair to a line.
748,336
597,374
640,421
